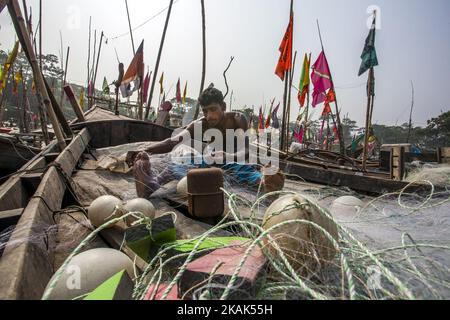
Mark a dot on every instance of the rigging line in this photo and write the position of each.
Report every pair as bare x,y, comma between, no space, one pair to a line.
143,23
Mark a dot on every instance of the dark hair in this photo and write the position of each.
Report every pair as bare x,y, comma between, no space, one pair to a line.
210,96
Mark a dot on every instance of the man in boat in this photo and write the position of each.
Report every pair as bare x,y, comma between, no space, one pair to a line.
216,118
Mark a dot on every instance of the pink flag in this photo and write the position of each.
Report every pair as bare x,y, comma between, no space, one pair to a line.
146,86
298,135
321,78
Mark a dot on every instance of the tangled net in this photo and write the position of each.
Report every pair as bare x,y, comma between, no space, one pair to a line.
414,269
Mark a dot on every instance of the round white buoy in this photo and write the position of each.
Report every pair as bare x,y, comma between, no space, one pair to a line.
182,189
139,205
346,206
88,270
104,209
302,244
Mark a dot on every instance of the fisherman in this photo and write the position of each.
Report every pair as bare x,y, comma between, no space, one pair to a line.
215,117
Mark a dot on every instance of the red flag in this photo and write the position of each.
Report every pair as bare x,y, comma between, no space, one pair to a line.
179,98
285,60
326,110
331,97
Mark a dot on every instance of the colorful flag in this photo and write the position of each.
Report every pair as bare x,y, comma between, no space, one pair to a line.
261,119
285,60
105,86
8,64
369,55
134,74
321,79
304,82
185,93
18,77
269,115
326,110
146,86
299,134
161,83
179,98
275,122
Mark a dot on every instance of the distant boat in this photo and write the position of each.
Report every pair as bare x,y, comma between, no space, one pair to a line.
14,154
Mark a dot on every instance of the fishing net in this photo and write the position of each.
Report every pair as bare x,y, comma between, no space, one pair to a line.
395,246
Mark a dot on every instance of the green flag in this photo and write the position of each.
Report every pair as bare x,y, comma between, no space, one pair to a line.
105,86
369,55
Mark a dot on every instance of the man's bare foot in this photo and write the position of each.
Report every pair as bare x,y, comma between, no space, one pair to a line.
146,183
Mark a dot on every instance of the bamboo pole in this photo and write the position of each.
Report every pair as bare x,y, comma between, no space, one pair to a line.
163,37
19,24
291,77
369,105
307,102
89,53
74,103
26,128
202,83
285,95
140,92
42,116
410,113
40,34
131,30
96,65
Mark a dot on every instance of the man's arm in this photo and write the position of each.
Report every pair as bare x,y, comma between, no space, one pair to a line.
165,146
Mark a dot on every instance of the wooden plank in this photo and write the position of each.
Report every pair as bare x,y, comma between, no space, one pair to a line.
444,155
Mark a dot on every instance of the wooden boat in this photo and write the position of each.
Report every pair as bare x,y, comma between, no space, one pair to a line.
14,154
30,198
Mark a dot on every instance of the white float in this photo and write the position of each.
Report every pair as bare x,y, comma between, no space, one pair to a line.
104,209
182,189
346,207
139,205
88,270
302,244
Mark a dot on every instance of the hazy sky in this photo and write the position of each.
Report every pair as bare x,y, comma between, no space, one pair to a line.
412,44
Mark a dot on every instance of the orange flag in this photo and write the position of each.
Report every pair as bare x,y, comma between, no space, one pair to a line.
285,60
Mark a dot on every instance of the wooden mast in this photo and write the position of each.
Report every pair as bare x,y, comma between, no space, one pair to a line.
410,113
40,34
96,64
370,96
140,91
338,118
163,37
22,33
202,83
291,77
307,101
370,102
284,125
